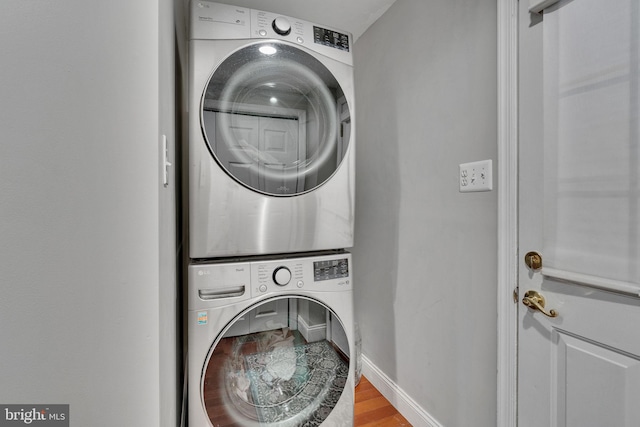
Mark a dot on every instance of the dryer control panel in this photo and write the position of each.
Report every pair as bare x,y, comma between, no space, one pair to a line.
216,21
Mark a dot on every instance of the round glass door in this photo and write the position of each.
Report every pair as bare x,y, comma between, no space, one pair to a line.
275,119
285,362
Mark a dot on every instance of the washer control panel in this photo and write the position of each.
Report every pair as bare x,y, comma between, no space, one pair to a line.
282,276
317,273
222,283
281,25
330,269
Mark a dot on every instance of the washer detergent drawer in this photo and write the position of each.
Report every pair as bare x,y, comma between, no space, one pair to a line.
214,285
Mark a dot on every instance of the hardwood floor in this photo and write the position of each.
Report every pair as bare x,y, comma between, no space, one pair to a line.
372,409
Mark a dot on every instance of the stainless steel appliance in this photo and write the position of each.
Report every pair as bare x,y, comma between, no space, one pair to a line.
271,134
271,342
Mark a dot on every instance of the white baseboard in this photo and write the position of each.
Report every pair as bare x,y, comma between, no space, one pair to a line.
409,409
312,333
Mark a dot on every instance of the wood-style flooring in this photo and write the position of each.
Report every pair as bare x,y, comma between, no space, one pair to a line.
372,409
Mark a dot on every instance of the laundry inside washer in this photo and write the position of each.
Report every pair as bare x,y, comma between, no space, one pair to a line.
290,371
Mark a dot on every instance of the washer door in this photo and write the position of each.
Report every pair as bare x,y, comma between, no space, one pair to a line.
275,119
284,362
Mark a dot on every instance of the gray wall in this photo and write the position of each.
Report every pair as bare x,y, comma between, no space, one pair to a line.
83,307
425,254
169,320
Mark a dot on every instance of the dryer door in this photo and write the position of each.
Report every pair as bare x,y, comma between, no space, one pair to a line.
275,119
283,369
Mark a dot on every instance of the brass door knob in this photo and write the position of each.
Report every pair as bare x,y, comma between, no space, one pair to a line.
535,301
533,260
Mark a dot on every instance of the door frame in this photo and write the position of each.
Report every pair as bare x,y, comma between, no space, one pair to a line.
507,365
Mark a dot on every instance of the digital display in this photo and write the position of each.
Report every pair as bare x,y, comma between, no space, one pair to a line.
332,269
331,38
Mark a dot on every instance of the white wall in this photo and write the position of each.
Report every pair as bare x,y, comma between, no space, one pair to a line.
425,254
169,320
82,231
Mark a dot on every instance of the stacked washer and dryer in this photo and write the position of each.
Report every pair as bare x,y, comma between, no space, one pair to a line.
270,200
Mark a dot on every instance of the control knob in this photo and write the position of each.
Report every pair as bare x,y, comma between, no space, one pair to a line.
282,276
281,26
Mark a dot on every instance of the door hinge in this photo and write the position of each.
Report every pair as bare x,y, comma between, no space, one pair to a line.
515,294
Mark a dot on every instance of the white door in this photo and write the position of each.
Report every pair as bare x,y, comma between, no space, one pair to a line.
282,149
261,152
267,316
236,154
579,209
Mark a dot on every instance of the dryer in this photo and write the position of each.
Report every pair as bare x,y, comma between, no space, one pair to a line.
271,134
270,342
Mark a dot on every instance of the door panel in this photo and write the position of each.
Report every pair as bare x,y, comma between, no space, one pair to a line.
240,327
578,207
590,71
238,151
270,315
261,152
592,372
282,146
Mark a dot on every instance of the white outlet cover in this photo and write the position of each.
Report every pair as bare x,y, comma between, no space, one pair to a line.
476,176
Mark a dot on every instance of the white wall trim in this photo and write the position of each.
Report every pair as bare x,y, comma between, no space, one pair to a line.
537,6
312,333
409,409
507,381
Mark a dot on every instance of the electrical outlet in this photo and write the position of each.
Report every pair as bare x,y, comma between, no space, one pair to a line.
476,176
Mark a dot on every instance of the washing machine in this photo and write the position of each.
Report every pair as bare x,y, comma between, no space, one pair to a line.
271,134
270,342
